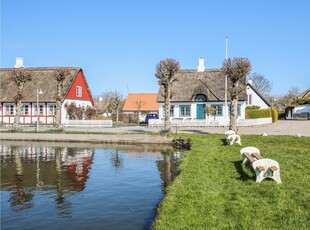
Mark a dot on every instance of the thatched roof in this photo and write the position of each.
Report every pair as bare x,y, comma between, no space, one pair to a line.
305,94
190,83
42,78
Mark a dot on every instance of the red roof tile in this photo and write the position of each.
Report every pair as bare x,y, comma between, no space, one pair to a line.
141,101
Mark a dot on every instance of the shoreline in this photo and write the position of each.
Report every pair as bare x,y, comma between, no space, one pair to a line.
87,138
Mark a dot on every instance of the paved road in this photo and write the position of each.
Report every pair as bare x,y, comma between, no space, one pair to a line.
282,127
128,135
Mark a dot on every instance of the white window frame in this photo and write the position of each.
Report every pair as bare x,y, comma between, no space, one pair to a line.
51,109
25,109
41,109
9,109
186,109
79,91
218,110
249,99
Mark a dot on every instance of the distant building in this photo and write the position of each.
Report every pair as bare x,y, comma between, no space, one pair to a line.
75,90
141,103
305,94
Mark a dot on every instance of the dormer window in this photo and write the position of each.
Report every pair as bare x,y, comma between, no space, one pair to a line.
79,91
200,97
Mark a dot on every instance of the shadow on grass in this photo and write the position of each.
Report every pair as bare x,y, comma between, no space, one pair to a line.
224,141
240,169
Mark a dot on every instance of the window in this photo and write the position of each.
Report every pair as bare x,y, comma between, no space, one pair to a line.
249,99
52,110
9,109
238,109
200,97
40,110
185,110
218,110
25,110
171,111
79,91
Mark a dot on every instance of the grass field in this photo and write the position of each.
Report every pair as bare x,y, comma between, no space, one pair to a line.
215,191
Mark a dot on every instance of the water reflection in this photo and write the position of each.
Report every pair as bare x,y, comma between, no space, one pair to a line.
55,177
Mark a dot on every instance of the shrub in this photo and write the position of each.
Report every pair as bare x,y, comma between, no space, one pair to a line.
257,113
253,107
274,114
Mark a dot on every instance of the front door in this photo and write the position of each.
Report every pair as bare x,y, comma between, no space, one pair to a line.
200,111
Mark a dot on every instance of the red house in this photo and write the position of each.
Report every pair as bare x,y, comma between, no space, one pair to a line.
39,94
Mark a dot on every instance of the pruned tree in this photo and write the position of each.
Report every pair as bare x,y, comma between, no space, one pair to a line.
60,76
166,71
261,83
236,70
20,77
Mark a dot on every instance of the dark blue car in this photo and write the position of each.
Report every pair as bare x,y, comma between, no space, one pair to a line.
150,116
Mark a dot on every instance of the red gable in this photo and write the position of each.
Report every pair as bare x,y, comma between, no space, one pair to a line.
79,89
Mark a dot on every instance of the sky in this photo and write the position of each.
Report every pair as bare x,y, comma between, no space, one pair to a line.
118,43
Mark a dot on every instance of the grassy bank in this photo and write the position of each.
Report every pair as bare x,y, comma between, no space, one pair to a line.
215,191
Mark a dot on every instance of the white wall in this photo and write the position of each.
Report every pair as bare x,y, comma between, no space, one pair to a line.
82,103
256,100
193,116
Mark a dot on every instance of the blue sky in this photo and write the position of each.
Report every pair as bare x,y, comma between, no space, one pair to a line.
118,43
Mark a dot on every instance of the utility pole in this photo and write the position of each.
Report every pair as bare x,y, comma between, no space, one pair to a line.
225,104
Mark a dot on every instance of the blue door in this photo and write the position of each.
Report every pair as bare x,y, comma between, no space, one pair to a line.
200,111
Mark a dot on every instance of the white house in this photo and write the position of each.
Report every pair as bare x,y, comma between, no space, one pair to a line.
255,98
197,88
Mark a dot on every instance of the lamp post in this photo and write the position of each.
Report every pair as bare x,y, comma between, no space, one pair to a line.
39,91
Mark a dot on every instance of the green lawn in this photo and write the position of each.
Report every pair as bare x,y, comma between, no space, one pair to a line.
215,191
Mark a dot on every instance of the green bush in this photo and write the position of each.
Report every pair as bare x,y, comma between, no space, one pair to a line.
257,113
253,107
274,114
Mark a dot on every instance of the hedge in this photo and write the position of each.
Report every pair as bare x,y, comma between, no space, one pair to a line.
274,115
261,113
257,113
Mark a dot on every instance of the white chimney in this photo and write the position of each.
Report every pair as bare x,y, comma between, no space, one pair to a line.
201,66
19,63
250,81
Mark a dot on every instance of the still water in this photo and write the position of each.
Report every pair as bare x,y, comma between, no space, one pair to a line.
66,186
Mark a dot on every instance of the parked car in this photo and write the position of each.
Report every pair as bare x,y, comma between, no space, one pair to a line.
151,116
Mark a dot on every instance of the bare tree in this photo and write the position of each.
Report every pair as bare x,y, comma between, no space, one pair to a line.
59,75
117,103
139,104
287,99
20,77
236,70
166,71
261,83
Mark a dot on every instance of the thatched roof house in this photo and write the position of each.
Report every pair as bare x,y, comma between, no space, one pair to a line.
42,78
74,90
191,83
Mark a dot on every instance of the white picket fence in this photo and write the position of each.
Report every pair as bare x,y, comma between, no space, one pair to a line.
212,123
88,123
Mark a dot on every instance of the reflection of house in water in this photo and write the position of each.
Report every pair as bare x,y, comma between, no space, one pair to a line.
25,169
168,167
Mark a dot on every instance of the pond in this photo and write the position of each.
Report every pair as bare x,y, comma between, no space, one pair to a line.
83,186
